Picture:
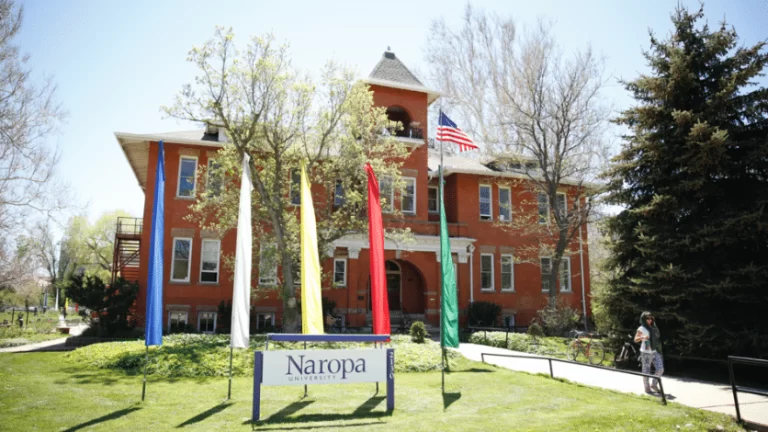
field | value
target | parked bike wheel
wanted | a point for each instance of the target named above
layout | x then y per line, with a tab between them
596	353
573	350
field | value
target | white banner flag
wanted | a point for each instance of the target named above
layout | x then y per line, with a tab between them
241	291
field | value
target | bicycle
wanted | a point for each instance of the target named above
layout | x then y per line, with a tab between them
627	351
593	350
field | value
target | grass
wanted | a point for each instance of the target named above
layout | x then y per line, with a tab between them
48	391
36	328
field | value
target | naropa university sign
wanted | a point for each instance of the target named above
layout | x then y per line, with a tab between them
310	367
324	366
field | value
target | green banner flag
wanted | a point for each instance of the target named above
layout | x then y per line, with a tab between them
449	304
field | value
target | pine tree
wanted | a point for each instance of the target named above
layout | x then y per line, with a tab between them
691	244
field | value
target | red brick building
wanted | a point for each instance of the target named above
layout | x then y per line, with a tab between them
477	199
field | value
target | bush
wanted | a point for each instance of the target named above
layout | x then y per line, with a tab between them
535	330
483	314
558	318
418	332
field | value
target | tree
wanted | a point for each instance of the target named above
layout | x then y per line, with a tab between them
89	246
279	117
112	303
29	114
538	114
693	177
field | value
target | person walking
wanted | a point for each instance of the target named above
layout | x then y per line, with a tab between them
649	337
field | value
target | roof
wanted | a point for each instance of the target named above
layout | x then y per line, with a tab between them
464	165
391	72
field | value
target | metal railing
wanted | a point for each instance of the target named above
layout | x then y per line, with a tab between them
736	388
552	373
129	226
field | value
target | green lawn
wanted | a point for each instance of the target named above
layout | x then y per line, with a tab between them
50	391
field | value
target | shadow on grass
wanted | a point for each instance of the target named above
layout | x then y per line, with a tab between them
284	416
205	414
108	417
472	370
450	398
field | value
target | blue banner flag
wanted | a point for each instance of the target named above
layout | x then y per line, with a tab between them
153	327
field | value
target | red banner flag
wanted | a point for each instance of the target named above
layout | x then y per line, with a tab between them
379	302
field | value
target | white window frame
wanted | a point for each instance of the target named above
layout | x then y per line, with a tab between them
265	313
542	220
215	317
565	261
508	216
170	315
218	261
390	207
489	216
189	259
298	186
262	280
511	257
405	193
565	202
344	282
491	288
194	180
437	199
541	264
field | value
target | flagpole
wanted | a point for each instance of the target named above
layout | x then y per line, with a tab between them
144	386
442	291
229	390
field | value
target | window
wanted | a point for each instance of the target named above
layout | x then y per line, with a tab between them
565	274
182	251
177	320
187	174
486	272
206	322
485	203
387	196
267	264
543	208
562	205
295	187
505	204
338	194
209	261
509	321
507	273
340	272
546	270
265	320
432	203
409	195
213	186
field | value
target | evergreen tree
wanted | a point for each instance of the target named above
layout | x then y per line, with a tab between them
691	244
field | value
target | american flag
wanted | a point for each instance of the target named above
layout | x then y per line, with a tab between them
448	131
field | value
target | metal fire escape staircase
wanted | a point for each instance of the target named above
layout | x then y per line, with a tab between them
125	262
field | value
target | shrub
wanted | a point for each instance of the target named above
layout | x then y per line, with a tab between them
483	314
558	318
418	332
535	330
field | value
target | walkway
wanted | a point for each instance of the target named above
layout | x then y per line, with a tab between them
694	393
49	345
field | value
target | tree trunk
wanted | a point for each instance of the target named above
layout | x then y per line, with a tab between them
291	322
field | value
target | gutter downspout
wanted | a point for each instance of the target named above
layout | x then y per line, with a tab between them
583	290
471	278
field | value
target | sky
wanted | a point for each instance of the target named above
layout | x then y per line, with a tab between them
116	63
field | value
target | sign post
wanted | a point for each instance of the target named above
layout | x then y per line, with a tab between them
335	366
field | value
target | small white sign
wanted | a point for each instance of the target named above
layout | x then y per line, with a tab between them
302	367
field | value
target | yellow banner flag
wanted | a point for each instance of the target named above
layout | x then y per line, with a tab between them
311	299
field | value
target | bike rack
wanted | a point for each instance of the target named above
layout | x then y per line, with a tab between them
552	374
735	388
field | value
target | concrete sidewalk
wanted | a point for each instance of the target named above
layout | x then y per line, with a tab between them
49	345
694	393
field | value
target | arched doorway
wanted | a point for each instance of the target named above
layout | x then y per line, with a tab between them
399	114
394	285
